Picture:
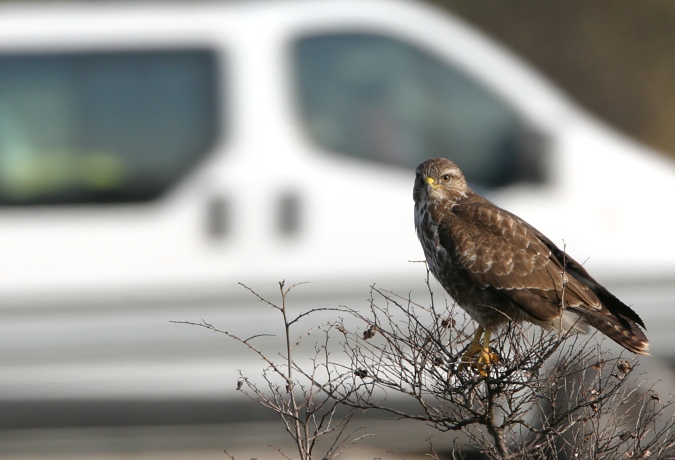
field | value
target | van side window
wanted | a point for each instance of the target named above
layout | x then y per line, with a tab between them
379	99
103	127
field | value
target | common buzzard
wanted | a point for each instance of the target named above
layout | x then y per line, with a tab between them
499	268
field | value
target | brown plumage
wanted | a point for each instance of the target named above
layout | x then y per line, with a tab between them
499	268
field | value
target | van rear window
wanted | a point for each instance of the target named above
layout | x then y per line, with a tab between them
103	127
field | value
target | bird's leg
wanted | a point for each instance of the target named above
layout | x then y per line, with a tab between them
486	357
480	355
474	347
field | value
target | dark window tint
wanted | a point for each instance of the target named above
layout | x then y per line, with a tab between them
105	126
383	100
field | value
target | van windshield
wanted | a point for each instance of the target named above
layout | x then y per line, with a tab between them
103	127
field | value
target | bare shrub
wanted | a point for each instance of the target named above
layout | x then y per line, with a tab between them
549	396
292	391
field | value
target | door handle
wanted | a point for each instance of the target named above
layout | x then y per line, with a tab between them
288	217
218	221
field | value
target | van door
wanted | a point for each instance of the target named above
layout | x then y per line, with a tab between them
375	106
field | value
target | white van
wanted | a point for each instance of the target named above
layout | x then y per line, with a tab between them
152	155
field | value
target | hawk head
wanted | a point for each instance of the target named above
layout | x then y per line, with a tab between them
439	179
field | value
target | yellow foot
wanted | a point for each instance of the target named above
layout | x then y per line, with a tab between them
486	358
480	357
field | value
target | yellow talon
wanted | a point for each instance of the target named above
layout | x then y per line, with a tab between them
480	356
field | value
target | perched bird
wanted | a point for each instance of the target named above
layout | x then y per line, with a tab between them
499	268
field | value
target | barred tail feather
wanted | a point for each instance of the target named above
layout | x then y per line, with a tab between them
629	336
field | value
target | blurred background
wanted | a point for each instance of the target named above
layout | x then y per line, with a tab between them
613	61
154	154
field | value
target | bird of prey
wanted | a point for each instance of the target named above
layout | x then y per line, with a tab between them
499	268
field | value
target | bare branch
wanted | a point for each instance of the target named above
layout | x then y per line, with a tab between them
549	395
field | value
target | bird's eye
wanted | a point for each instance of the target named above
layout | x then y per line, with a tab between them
445	177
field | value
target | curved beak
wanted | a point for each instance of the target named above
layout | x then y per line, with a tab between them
431	184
